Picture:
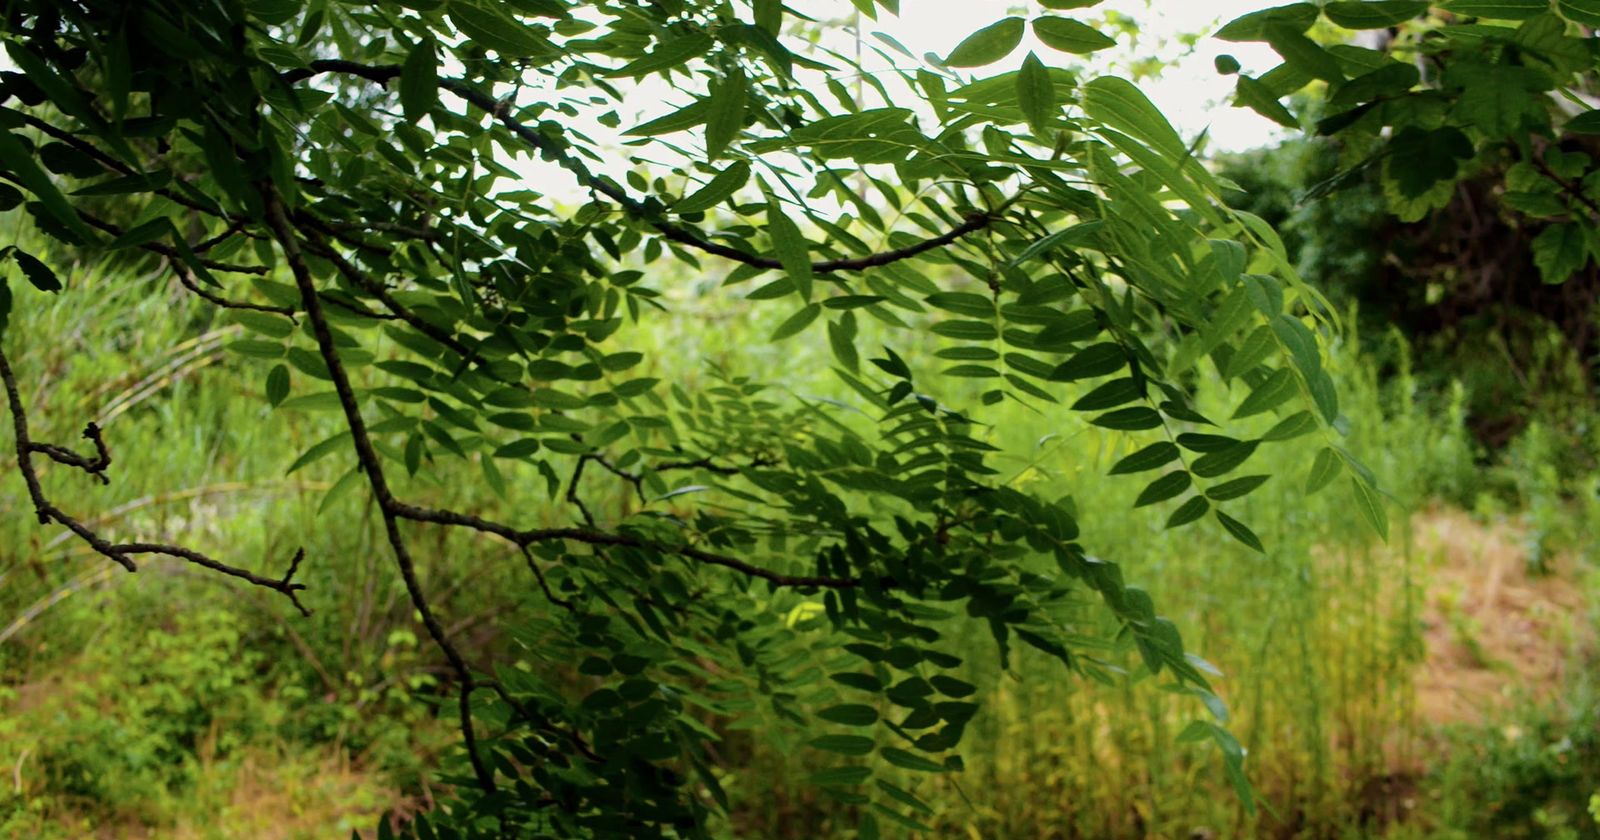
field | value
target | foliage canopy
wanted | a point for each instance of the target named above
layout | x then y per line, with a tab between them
348	182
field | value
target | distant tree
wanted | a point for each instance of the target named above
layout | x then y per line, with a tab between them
1474	123
339	177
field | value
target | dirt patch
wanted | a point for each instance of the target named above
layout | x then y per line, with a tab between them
1494	634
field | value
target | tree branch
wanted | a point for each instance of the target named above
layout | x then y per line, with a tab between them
187	279
284	232
590	536
120	553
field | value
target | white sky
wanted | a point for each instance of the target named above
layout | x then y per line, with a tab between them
1191	92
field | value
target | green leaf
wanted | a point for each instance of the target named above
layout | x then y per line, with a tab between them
1240	532
1256	348
1419	159
65	160
726	117
1206	443
1293	426
791	247
1390	80
769	15
1036	93
987	45
1164	488
1251	93
797	322
844	744
966	330
20	161
952	687
1324	469
1094	360
1499	99
1559	251
1498	9
275	12
1585	12
277	385
1371	506
419	81
850	714
492	475
683	119
341	488
1223	461
1226	65
1070	36
1271	393
1129	419
492	28
1188	512
1111	394
668	55
904	797
842	340
1253	26
1304	54
1121	105
911	761
1151	457
319	451
1375	14
719	188
5	304
963	303
141	234
1587	122
1236	488
37	272
843	776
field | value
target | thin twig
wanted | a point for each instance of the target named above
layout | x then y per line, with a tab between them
187	279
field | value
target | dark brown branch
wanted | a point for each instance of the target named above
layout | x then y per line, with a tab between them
601	538
538	574
501	110
637	479
572	492
289	241
95	466
283	584
120	553
407	231
711	466
188	281
234	227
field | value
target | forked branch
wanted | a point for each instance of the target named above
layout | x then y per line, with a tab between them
120	553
